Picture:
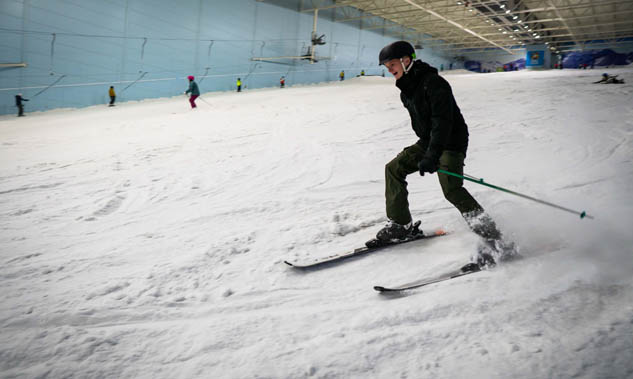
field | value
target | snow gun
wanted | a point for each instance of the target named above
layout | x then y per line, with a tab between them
473	179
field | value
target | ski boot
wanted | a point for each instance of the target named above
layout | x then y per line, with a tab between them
394	233
491	251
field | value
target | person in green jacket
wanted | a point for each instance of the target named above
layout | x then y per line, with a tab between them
239	85
193	90
442	143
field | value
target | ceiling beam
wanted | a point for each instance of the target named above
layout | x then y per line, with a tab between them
563	21
562	28
455	24
584	42
576	6
590	46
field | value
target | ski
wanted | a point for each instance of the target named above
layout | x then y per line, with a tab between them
373	245
470	268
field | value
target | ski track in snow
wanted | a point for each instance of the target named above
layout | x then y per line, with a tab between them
148	240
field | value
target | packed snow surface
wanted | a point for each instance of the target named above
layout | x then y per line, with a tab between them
147	240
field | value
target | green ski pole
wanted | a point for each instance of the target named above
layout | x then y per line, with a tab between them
473	179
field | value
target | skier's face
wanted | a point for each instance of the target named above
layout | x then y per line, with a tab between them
395	66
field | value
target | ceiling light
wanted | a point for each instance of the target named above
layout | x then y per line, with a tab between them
503	6
500	29
515	17
520	21
471	9
459	3
504	32
537	37
508	11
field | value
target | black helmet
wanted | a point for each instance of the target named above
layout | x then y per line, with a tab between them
396	50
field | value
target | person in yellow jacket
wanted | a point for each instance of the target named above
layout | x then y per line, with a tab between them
239	85
342	75
112	96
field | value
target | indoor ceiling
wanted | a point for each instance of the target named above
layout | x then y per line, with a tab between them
458	26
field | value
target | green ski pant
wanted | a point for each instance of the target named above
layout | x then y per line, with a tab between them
406	163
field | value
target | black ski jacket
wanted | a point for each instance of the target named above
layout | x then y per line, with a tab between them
19	99
435	116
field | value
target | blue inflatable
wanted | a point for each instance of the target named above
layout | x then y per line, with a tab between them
477	66
606	57
472	66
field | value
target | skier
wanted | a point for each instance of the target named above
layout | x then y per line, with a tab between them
443	140
18	103
342	76
193	89
610	79
362	72
239	85
112	96
282	82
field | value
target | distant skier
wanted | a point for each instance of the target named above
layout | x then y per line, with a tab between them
282	82
239	85
342	76
443	140
18	103
362	72
193	90
112	96
609	79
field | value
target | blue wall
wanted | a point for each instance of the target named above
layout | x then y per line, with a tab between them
100	43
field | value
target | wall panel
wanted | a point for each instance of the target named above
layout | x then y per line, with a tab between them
146	48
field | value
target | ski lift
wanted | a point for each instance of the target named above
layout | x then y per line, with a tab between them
310	55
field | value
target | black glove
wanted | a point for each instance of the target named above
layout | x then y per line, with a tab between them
427	165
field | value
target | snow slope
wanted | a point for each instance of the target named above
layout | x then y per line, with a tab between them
147	240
